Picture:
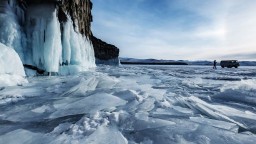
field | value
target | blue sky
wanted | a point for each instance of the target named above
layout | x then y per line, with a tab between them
178	29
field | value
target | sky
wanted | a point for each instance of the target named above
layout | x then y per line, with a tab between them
178	29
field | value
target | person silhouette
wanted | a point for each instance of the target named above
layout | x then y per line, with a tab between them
214	64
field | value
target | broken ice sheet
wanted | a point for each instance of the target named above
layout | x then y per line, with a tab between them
216	123
89	104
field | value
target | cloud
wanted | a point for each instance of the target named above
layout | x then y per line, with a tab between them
240	56
177	29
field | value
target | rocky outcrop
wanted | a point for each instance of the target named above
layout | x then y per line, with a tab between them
105	53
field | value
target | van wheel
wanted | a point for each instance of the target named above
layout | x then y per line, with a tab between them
236	67
222	66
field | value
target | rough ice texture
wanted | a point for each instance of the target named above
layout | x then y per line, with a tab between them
11	68
132	104
10	62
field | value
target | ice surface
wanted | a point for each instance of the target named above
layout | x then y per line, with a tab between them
132	104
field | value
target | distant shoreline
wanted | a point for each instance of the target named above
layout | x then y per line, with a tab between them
148	63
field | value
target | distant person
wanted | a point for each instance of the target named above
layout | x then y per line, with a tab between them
214	64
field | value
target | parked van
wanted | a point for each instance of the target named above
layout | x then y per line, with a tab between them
229	63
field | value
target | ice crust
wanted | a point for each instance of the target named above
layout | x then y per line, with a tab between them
132	104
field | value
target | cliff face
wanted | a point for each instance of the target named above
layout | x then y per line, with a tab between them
103	50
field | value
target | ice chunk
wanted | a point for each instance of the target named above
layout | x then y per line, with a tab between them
213	111
107	82
106	135
142	122
216	123
173	112
82	87
21	136
10	62
147	105
89	104
248	97
128	95
11	68
243	91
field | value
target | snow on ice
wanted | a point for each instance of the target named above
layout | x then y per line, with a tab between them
132	104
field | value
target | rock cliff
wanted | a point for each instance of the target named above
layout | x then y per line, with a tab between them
105	53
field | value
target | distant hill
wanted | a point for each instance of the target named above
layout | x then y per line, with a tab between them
150	62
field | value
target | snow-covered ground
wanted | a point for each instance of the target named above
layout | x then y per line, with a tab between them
133	104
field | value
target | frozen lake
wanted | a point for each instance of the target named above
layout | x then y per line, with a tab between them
133	104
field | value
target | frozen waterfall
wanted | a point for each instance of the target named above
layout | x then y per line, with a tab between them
41	41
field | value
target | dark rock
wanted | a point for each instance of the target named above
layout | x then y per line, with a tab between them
103	50
39	71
